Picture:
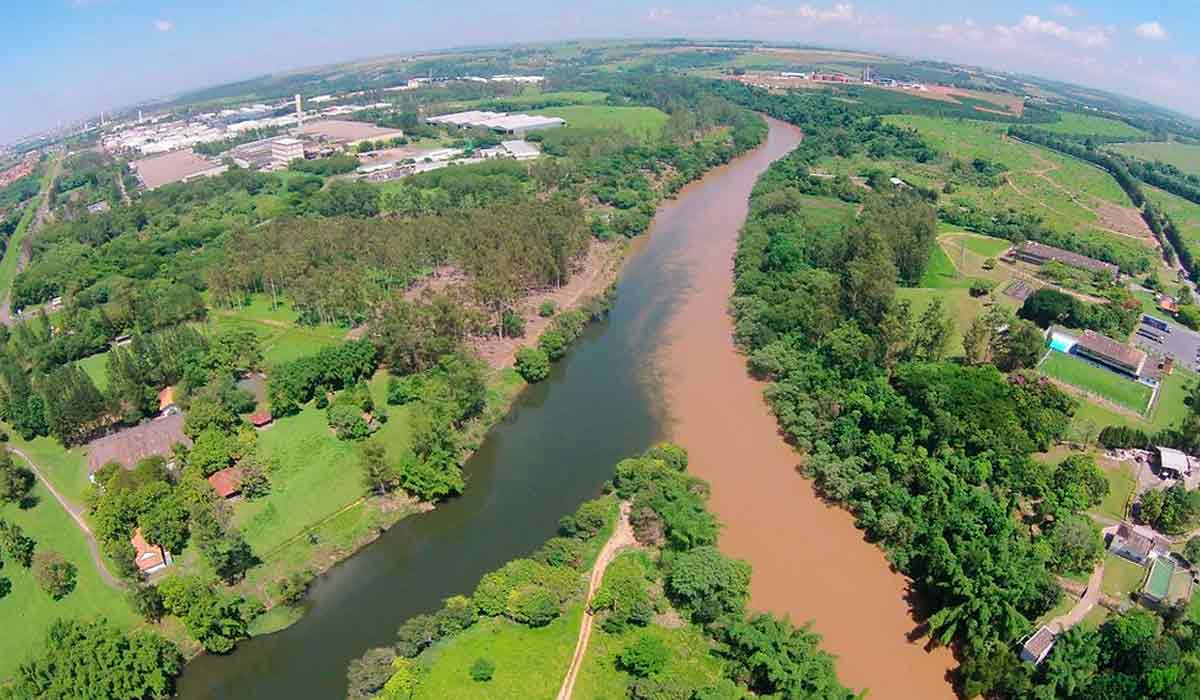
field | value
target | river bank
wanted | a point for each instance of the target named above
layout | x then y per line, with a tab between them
810	561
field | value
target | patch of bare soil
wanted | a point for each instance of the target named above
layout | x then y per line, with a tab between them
1127	220
596	272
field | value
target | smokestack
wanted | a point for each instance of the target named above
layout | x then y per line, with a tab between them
139	116
299	111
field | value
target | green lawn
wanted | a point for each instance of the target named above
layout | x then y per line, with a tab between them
316	475
960	306
941	273
1101	382
1121	576
646	122
1184	156
66	469
27	611
282	337
987	246
530	662
1120	486
96	367
1087	124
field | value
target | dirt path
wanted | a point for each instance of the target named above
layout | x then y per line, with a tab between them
76	514
622	537
1091	596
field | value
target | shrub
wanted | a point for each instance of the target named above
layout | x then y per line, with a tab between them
554	344
54	574
989	264
482	670
560	551
646	656
533	606
347	422
589	519
403	390
981	287
512	325
547	309
456	615
532	364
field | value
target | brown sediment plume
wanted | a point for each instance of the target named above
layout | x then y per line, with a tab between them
810	561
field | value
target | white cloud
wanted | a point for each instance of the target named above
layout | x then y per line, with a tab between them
1151	30
660	14
1032	26
1064	10
840	13
163	25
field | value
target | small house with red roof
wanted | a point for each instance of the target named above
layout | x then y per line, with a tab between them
227	482
149	558
261	419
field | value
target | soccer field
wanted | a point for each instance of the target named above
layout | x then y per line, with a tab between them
1097	380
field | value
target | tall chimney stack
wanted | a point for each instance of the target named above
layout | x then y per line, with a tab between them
299	111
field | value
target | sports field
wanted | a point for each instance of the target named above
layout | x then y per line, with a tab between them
1087	124
1096	380
1184	156
646	122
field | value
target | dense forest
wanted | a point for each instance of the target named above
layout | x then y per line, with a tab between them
934	457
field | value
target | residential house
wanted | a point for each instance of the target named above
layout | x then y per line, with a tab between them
1039	644
149	558
1138	546
227	482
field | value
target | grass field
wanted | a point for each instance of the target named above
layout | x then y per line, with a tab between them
530	662
27	611
1086	124
645	122
282	337
1101	382
1185	213
1120	486
317	474
96	367
961	307
941	273
1121	576
1184	156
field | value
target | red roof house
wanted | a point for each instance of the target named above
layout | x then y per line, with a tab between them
227	482
149	558
261	419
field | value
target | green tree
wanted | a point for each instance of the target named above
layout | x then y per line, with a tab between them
379	474
15	482
1075	544
708	584
54	574
1192	551
482	670
15	545
645	656
532	364
773	658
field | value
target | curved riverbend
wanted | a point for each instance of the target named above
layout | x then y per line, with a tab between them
810	562
605	402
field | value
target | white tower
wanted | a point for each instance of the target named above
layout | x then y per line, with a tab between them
299	111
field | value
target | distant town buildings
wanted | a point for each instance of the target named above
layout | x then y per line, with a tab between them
514	124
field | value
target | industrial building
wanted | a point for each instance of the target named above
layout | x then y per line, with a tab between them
272	153
179	166
1040	254
512	124
516	150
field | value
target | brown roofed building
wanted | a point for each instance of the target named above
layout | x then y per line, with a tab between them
1113	353
1040	254
1038	646
149	558
131	445
1138	547
227	482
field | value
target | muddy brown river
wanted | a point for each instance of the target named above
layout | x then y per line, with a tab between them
662	365
810	562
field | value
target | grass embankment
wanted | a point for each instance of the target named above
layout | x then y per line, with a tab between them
1089	125
1096	380
27	611
1184	156
644	122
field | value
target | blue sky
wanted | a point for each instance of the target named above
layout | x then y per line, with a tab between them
64	59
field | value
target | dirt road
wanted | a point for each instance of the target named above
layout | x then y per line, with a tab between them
622	537
76	514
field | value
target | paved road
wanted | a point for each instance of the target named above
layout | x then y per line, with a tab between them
622	537
1181	343
76	514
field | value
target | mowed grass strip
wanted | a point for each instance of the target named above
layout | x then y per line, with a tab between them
530	662
27	611
1096	380
1087	124
645	122
1184	156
